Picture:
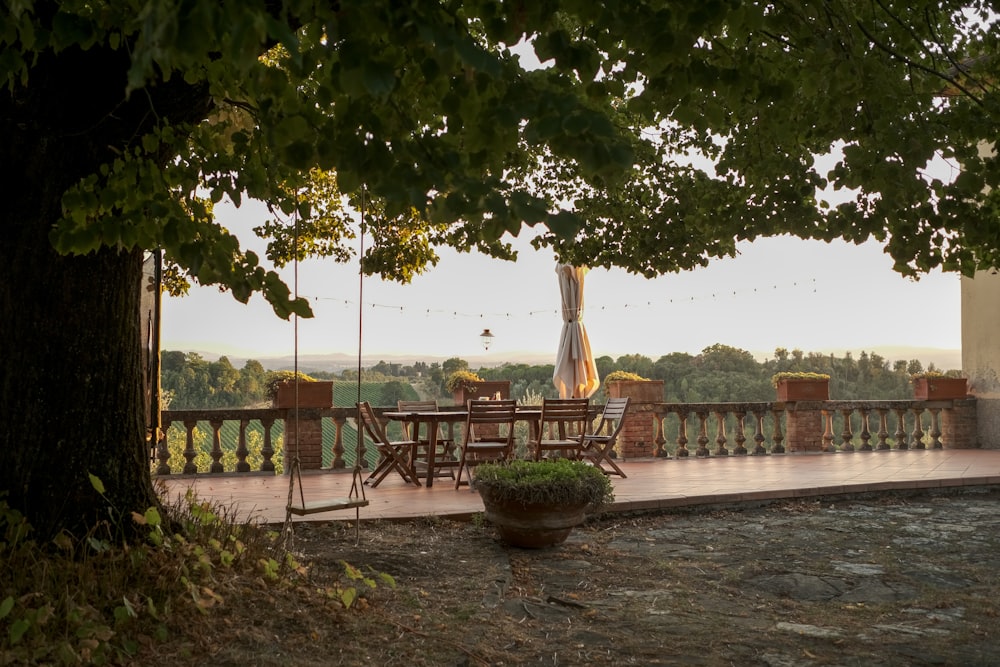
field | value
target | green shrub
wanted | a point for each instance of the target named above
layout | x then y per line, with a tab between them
555	481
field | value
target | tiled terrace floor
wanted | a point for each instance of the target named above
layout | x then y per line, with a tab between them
650	484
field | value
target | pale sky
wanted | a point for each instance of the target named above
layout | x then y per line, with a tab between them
779	292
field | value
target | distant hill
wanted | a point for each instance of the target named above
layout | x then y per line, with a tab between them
335	362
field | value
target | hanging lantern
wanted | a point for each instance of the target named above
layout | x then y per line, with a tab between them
487	338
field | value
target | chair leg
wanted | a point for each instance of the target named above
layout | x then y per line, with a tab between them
380	471
603	456
393	459
461	467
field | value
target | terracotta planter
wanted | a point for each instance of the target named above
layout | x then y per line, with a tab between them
940	389
532	525
484	389
311	395
793	389
640	391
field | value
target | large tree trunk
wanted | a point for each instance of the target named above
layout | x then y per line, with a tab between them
71	395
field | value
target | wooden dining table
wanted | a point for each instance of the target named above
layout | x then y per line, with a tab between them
437	418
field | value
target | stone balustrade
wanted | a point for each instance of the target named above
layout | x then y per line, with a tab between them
325	437
739	429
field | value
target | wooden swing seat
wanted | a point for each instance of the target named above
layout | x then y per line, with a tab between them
326	505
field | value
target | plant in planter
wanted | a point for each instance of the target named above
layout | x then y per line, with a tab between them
619	384
937	386
537	504
464	385
462	381
312	393
798	386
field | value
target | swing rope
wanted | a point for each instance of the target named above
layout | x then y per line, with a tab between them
356	498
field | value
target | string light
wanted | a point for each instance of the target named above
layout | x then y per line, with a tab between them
557	311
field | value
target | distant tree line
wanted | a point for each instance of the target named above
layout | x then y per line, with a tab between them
720	373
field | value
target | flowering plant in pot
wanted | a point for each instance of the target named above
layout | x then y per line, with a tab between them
801	386
537	504
462	381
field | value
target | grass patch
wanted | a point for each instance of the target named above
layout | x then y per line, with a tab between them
98	601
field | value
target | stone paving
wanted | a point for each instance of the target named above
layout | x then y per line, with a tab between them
891	581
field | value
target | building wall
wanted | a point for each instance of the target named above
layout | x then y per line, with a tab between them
981	352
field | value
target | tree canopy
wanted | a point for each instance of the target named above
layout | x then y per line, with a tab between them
651	135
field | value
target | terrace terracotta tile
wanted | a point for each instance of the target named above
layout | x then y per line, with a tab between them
651	483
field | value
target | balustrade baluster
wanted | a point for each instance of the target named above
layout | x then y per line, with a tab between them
846	444
866	435
682	439
741	437
702	434
660	439
338	442
720	437
917	441
241	448
163	451
883	429
827	430
267	451
189	467
935	432
216	466
900	428
758	435
779	437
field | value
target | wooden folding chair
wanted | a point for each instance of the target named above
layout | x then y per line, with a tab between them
599	446
395	455
561	427
446	443
490	417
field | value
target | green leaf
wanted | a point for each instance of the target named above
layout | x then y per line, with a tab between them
564	224
153	517
379	78
17	630
6	606
96	482
348	596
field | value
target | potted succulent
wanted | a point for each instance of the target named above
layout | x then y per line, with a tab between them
937	386
799	386
536	504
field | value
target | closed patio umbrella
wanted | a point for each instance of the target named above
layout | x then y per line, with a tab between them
575	374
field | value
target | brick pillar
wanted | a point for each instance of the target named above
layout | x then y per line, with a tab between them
636	439
638	434
307	442
804	426
959	425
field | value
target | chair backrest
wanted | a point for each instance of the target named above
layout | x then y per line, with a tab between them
614	411
567	414
417	406
491	412
490	416
370	424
